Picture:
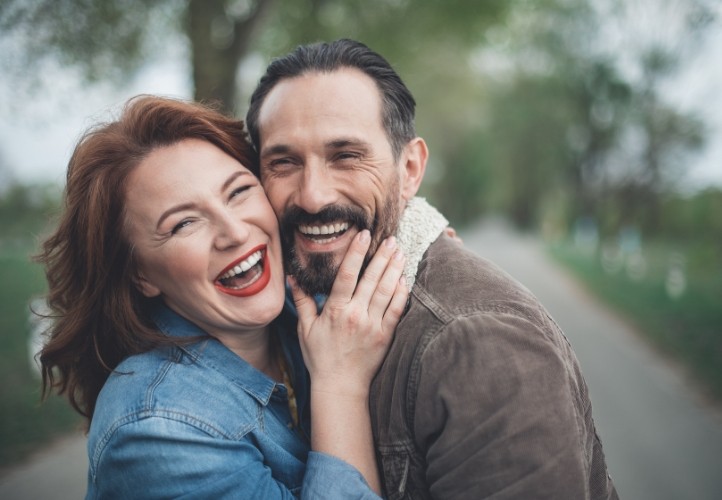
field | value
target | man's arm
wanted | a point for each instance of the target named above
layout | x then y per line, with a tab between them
498	412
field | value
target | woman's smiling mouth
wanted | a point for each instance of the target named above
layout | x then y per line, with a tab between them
246	276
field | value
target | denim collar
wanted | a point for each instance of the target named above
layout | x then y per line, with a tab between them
210	352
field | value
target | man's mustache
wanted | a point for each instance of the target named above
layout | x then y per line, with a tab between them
295	216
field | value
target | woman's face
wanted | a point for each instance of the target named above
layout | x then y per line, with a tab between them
205	238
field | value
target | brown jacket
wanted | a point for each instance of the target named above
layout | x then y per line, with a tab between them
481	395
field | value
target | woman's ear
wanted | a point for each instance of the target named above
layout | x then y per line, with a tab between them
413	166
145	287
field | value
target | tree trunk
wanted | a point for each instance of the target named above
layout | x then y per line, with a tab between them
219	43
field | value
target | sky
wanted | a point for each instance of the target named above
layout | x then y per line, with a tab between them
39	131
37	136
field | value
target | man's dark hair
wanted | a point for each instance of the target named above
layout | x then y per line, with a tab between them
398	105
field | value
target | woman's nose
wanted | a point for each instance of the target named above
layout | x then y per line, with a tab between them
231	231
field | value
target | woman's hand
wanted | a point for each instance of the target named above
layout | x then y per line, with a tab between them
344	346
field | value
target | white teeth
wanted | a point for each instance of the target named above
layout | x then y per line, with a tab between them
324	229
244	266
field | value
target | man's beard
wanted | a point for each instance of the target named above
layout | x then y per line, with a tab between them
319	272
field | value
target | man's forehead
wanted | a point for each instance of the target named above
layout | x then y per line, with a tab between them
316	91
322	107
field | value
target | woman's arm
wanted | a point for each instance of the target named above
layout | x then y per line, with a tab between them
344	346
167	455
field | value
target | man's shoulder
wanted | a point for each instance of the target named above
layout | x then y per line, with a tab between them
453	281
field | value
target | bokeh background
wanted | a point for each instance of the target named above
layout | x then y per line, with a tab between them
592	126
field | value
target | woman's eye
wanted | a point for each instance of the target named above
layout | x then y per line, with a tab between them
180	225
238	191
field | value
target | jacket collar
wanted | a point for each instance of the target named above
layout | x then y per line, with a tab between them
419	226
209	352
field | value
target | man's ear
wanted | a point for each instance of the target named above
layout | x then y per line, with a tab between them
145	287
414	160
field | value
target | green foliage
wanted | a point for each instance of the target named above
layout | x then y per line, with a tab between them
112	39
693	217
461	187
104	39
565	121
686	323
25	423
25	212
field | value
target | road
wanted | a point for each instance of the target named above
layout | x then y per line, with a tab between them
661	439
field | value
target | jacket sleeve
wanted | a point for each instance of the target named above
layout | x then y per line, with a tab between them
167	458
497	412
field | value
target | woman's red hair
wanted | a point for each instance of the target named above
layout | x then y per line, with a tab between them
98	314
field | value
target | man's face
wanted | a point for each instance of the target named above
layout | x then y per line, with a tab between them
328	170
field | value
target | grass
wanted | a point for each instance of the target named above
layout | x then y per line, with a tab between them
26	425
672	291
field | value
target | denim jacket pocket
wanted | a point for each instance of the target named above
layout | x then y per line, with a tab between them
395	464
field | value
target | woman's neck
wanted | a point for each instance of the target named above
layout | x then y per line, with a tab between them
257	349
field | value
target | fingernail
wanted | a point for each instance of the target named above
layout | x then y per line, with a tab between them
398	255
390	242
364	236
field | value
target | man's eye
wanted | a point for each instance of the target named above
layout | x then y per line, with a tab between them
280	166
347	155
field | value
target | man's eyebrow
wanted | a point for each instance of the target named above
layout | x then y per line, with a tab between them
346	142
339	143
276	149
187	206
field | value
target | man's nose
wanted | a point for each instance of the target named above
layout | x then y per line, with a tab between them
317	188
231	231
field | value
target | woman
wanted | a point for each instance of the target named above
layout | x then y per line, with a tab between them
166	282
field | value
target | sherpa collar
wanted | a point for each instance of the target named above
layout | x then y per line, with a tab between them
419	227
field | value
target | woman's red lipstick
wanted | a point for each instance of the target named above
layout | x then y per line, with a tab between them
254	287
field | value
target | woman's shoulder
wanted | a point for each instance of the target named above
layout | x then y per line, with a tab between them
164	384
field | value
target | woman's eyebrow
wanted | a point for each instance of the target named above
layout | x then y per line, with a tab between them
235	175
186	206
172	210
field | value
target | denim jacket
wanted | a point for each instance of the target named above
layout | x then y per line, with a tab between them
480	395
199	422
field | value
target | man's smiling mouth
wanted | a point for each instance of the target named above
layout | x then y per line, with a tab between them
247	276
323	233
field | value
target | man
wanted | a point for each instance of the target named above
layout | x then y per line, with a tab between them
480	395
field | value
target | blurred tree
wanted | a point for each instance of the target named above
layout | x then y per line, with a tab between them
6	175
667	137
111	39
227	43
25	210
570	123
525	108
